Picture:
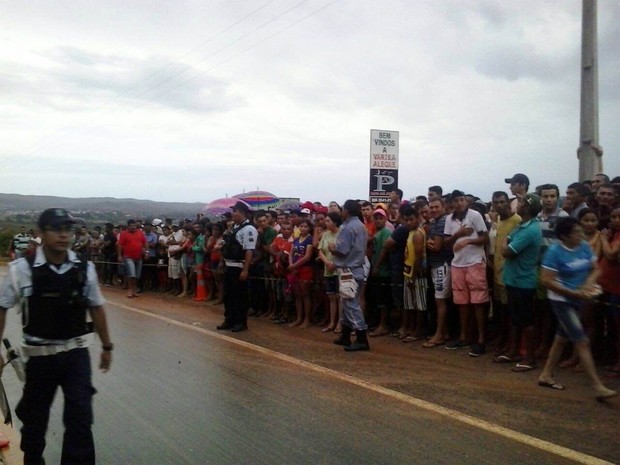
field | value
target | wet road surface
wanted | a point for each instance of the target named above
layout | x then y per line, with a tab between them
181	393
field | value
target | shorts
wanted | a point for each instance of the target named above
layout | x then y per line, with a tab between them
184	263
174	268
613	304
469	284
133	268
499	291
569	323
330	285
521	306
379	292
397	290
414	294
305	273
442	281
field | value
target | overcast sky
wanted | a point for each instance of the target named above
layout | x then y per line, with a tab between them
192	100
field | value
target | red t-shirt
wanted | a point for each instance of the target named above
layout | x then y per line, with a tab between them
281	245
132	244
609	278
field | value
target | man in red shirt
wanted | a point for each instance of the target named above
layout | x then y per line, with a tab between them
131	248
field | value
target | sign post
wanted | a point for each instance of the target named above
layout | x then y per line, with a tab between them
383	165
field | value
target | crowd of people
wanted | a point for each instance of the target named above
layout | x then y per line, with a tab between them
523	274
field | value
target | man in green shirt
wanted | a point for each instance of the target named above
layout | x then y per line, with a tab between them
379	283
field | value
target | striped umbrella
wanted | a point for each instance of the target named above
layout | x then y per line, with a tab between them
259	200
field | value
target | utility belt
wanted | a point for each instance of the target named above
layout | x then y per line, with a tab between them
234	263
34	350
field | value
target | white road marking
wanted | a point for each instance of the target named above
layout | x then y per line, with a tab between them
526	439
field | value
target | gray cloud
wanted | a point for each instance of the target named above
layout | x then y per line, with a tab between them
80	79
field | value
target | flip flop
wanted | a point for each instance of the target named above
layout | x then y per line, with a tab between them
431	345
375	334
411	338
556	386
523	367
503	359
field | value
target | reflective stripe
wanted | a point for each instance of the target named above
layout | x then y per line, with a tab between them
75	343
233	263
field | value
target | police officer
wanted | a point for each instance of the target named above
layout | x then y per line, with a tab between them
57	291
237	251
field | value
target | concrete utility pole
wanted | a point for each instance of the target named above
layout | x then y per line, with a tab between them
590	154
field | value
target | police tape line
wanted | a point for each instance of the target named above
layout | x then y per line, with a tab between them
315	281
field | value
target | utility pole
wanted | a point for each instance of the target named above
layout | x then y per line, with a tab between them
590	154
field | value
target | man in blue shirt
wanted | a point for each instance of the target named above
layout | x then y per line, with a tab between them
349	252
520	277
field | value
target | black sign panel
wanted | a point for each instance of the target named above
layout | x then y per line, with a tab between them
382	182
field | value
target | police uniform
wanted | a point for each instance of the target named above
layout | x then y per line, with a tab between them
243	237
54	303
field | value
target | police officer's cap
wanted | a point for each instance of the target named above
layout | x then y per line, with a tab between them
53	217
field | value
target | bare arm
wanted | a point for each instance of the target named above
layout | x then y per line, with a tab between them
247	261
303	260
2	324
548	279
100	323
418	245
385	250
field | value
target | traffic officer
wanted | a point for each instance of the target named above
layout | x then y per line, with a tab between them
56	291
237	251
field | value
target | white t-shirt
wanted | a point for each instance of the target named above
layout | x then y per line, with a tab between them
470	254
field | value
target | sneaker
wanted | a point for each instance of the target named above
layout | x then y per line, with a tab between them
477	350
457	345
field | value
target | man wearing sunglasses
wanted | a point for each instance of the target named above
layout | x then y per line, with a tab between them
57	291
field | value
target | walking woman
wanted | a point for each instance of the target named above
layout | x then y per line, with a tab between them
569	272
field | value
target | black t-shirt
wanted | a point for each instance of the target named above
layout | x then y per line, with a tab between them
397	254
109	240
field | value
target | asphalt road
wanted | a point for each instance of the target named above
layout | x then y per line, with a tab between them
182	393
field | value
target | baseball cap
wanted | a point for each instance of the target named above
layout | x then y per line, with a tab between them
305	211
309	205
457	193
55	217
534	202
156	222
379	211
518	178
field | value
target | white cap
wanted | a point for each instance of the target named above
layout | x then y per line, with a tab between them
305	211
157	222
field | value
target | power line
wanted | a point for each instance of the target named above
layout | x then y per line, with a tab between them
241	52
131	93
